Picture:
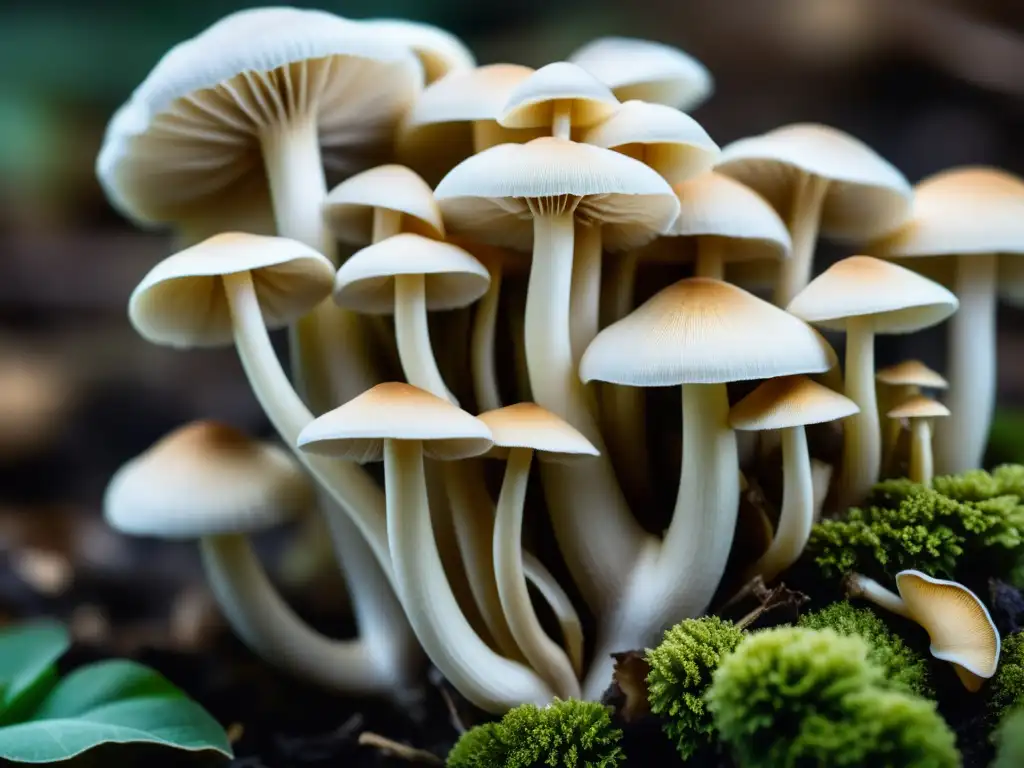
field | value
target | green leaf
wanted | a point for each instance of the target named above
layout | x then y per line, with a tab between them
28	654
104	682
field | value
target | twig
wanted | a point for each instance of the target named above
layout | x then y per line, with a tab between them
401	751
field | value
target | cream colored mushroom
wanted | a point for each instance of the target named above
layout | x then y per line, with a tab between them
440	52
901	382
920	411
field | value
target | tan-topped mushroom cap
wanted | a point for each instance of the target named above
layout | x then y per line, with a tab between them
348	209
206	479
669	141
394	411
702	331
493	195
895	300
532	103
962	211
181	302
867	196
366	282
911	373
957	622
919	407
791	401
648	71
440	52
527	425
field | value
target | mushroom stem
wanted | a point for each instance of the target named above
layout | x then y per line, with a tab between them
859	586
258	615
961	438
709	258
889	398
797	515
348	483
481	350
561	119
803	222
561	605
862	442
485	678
921	466
596	532
585	301
414	349
699	538
386	223
543	654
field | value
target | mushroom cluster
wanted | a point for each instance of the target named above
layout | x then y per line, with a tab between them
492	314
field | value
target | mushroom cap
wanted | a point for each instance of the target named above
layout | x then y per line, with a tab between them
205	479
867	196
918	407
962	211
957	622
713	205
395	411
491	195
790	401
702	331
527	425
348	209
439	51
531	103
366	282
648	71
669	141
911	373
181	302
189	136
893	298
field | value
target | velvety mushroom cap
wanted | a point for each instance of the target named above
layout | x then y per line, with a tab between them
366	282
894	299
867	196
531	103
919	407
206	479
791	401
440	52
911	373
702	331
182	303
356	431
647	71
669	141
493	195
527	425
957	622
348	209
190	134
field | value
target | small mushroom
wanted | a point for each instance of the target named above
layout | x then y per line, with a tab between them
901	382
920	411
789	404
402	424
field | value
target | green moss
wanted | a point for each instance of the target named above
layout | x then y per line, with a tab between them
1009	740
1008	683
565	734
681	669
904	668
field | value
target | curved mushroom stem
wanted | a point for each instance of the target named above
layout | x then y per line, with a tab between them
585	302
258	614
411	330
561	119
481	349
561	605
710	261
797	515
803	222
821	480
862	442
543	654
485	678
962	437
859	586
921	466
596	532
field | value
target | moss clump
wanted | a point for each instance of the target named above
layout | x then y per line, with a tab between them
1009	740
794	696
565	734
904	668
1008	684
681	669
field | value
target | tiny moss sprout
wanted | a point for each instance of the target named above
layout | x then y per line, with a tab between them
1008	684
564	734
681	670
1009	740
904	668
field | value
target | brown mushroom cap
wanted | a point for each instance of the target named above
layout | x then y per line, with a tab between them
790	401
348	209
911	373
919	407
531	103
527	425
